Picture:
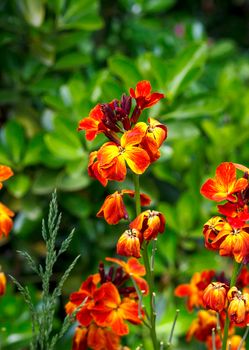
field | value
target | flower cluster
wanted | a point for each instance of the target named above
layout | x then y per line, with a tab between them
133	144
104	302
6	222
228	234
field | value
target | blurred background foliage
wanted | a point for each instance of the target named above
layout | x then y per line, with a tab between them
61	57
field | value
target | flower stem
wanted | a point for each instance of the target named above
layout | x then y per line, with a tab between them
149	274
227	322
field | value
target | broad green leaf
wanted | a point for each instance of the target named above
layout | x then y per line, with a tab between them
45	181
64	142
19	185
14	139
33	11
72	61
77	205
201	107
34	151
8	96
73	182
154	6
191	58
125	69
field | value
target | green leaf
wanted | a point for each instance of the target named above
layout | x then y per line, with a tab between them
125	68
34	150
191	58
45	181
73	182
33	11
72	61
19	185
77	205
201	107
64	141
154	6
14	138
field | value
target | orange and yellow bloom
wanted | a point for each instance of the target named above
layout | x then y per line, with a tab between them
214	296
224	185
150	223
6	222
3	282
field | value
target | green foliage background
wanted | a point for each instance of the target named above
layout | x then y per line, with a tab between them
61	57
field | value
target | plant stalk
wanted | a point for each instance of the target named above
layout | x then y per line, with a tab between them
149	274
227	322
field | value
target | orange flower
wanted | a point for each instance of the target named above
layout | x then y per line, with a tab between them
201	328
238	309
149	223
93	124
111	311
113	209
129	243
243	278
134	269
211	230
84	294
112	157
194	290
224	185
214	296
5	173
234	242
155	134
236	214
2	283
143	96
6	222
234	342
96	338
94	169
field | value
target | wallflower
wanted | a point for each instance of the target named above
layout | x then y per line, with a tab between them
93	124
211	230
201	328
194	290
94	169
143	96
155	135
111	311
149	223
214	296
2	283
238	308
224	185
85	296
237	214
5	173
6	222
96	338
129	243
113	209
135	270
234	342
113	158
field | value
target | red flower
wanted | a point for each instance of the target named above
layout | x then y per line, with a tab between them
112	157
113	209
2	283
111	311
6	222
155	134
149	223
194	290
85	296
5	173
94	169
143	95
93	124
129	243
201	328
236	214
134	269
96	338
214	296
224	185
238	309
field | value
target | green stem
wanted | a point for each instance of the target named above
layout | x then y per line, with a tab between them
149	274
227	322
